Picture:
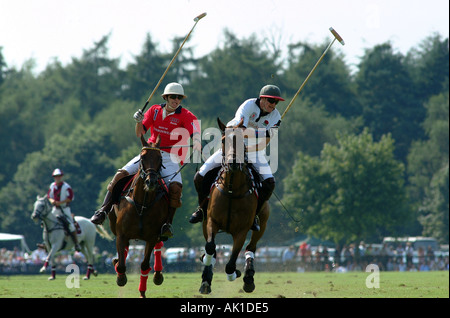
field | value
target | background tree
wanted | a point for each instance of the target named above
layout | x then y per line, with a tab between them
428	170
353	192
387	95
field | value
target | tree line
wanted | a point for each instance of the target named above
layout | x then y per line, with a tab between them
360	155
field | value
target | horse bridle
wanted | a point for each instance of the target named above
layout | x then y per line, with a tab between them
39	213
154	175
41	216
231	167
150	172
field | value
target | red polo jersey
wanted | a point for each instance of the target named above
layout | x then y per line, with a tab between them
174	129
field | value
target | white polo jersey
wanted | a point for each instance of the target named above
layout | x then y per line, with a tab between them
251	113
262	125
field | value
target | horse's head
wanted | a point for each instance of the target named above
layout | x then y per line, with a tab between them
233	148
41	208
150	164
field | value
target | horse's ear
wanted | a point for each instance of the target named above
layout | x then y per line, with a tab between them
221	125
143	141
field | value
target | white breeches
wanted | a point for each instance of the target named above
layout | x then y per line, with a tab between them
168	169
256	158
67	213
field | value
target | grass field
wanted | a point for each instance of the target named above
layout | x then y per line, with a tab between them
268	285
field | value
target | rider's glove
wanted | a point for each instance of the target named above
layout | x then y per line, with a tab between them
138	116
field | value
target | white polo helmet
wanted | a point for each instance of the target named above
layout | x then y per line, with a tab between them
57	172
173	88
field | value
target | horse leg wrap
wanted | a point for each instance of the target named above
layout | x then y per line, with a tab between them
158	262
53	272
249	254
231	277
210	249
143	280
90	269
209	260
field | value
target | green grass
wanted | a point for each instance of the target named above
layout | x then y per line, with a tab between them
268	285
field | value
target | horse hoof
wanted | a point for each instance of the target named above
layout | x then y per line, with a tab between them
51	278
238	273
248	288
205	288
85	278
158	278
142	294
121	280
95	273
249	285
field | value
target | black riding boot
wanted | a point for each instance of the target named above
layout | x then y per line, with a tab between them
200	213
100	215
265	192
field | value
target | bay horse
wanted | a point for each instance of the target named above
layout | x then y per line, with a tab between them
232	208
55	238
140	215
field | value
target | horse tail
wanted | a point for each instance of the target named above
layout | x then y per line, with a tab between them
103	233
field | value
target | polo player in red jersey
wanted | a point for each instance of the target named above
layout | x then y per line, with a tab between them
175	125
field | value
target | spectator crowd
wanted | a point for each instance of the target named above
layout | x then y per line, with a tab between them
303	258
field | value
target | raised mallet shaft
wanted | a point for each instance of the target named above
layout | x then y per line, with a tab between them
336	37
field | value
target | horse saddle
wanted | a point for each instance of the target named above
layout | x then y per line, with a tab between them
213	175
125	186
62	220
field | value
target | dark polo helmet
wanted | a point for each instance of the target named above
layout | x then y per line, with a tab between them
271	91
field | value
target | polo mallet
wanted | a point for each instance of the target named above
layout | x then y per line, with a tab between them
173	59
336	37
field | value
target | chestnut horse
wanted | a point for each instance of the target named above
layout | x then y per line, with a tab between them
232	208
140	215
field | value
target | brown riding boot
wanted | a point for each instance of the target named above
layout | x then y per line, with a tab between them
175	189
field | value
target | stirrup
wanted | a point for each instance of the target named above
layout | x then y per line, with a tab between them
166	232
255	227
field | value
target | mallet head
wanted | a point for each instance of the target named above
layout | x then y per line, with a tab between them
337	36
200	17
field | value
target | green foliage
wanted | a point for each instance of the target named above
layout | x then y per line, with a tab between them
353	191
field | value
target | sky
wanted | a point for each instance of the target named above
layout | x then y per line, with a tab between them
63	29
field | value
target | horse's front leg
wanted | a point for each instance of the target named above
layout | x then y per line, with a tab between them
145	269
250	249
119	264
209	258
158	277
230	268
49	261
